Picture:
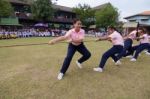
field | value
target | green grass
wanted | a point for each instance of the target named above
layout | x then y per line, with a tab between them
30	72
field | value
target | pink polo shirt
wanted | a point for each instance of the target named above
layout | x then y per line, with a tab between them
132	35
145	39
72	35
116	38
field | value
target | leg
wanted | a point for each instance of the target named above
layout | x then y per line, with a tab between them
119	52
70	53
84	51
111	52
127	47
140	49
132	50
114	58
149	48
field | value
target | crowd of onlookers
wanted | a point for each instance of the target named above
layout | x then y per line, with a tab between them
30	32
96	33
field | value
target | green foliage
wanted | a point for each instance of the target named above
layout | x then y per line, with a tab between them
85	13
6	9
42	10
107	16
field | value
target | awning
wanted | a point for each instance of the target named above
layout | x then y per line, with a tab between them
130	24
9	22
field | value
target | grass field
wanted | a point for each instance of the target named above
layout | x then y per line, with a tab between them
30	72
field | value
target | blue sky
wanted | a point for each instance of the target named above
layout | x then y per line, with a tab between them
125	7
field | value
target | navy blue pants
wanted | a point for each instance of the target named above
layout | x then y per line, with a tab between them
127	50
139	48
116	49
149	48
71	51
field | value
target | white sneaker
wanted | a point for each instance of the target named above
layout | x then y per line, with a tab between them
60	76
147	53
118	63
98	69
130	56
133	60
79	64
113	61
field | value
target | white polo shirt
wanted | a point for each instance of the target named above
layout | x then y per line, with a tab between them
116	38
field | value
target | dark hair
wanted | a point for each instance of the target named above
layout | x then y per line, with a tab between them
75	21
139	30
143	30
111	27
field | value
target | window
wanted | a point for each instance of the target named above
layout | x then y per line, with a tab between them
132	20
144	20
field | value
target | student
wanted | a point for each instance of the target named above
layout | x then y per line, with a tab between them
144	44
75	37
127	50
117	41
148	50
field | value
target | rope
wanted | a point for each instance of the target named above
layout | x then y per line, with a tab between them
33	44
19	45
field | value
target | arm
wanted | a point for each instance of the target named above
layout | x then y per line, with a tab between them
104	38
138	38
61	38
125	37
131	35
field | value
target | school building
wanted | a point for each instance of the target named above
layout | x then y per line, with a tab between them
143	19
63	16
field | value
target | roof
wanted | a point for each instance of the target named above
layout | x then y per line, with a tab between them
145	13
69	9
63	8
101	6
19	2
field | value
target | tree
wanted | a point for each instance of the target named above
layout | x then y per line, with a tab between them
6	9
85	14
42	10
107	16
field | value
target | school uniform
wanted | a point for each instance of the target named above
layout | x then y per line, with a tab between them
127	50
73	47
149	48
149	45
144	44
118	43
148	51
